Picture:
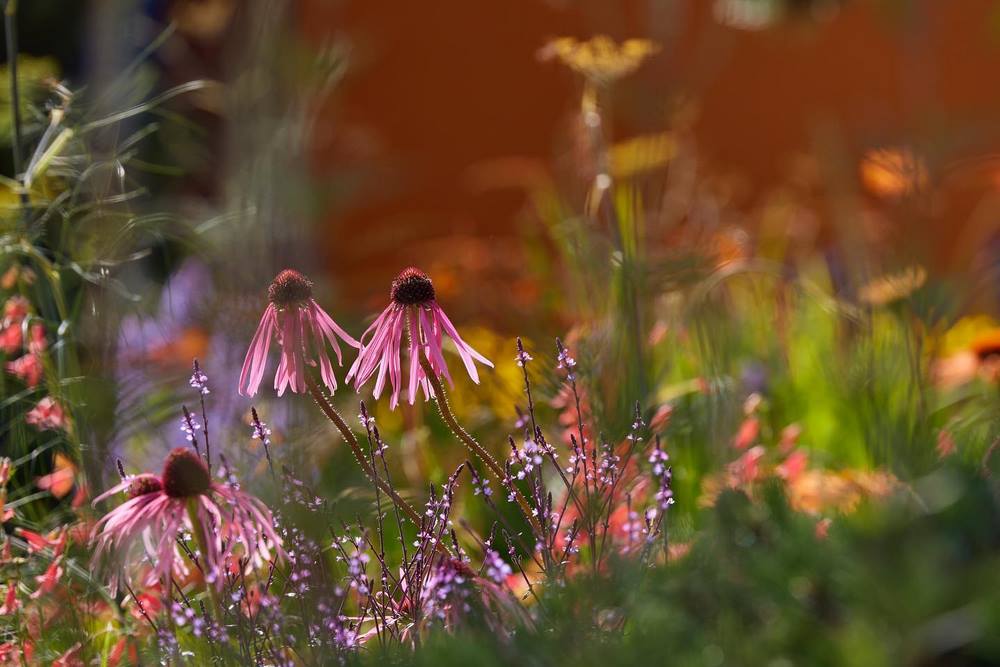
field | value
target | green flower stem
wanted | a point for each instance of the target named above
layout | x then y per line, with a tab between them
202	538
359	455
441	398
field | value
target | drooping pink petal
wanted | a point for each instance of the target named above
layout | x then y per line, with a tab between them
373	329
256	359
332	330
372	353
465	350
435	356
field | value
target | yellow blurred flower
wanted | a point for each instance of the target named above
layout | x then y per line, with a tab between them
892	172
502	386
642	154
969	349
891	288
600	59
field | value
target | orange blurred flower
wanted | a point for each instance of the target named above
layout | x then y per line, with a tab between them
62	478
891	173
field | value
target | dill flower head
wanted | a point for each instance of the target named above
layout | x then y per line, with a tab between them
185	499
413	308
302	329
895	287
600	59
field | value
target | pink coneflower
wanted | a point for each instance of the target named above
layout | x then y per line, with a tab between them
185	498
413	308
302	329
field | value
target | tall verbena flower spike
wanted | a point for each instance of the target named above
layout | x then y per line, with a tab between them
302	329
412	306
159	510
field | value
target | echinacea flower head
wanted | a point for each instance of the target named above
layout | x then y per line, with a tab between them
185	498
413	308
302	329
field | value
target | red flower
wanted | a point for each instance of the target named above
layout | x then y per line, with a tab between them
37	342
11	331
48	414
14	654
10	339
15	309
793	465
70	658
10	603
56	540
47	581
747	435
27	367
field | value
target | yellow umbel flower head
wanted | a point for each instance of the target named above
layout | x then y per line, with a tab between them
600	59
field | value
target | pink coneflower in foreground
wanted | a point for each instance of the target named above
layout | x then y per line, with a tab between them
185	498
413	308
302	329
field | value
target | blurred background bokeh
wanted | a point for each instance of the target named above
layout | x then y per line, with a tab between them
446	120
548	189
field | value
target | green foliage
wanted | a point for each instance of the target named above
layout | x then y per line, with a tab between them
758	587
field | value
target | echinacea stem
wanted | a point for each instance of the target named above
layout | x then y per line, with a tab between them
199	533
441	398
352	442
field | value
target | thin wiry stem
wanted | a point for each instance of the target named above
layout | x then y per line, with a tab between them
202	539
359	455
441	398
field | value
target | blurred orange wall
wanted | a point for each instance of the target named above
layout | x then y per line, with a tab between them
439	87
